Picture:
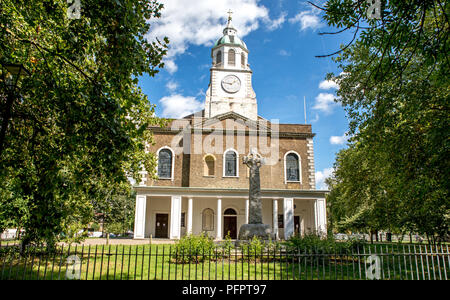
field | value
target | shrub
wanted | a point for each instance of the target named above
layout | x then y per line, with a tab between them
95	227
355	244
191	248
115	228
254	248
310	243
227	245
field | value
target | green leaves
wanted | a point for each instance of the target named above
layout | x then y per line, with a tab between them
395	89
82	122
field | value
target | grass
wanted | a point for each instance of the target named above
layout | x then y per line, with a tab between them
157	262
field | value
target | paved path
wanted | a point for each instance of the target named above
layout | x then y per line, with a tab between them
102	241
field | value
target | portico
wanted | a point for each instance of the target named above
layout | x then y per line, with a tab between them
172	212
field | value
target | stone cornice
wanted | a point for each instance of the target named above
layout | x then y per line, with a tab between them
221	131
230	70
224	192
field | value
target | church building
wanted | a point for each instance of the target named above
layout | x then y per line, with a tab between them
202	184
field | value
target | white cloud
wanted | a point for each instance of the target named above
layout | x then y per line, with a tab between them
284	53
325	103
170	66
338	140
201	23
308	19
172	86
178	106
316	118
328	84
275	24
321	176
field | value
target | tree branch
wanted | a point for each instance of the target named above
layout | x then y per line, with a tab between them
343	49
37	45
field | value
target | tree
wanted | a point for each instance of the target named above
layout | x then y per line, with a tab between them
115	210
360	198
395	89
81	122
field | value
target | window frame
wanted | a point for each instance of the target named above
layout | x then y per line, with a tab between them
234	57
299	167
172	167
231	215
219	55
280	221
183	220
224	163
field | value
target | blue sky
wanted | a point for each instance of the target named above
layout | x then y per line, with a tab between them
283	39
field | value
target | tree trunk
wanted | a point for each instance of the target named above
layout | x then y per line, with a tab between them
23	244
388	236
5	119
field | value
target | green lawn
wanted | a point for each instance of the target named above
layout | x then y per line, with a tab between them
158	262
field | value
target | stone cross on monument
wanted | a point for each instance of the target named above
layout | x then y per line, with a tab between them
255	226
254	162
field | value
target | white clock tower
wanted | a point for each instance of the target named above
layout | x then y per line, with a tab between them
230	87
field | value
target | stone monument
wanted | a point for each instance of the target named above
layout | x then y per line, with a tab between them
255	226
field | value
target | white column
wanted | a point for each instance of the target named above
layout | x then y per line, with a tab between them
219	220
175	217
288	217
247	205
139	217
189	217
275	218
320	216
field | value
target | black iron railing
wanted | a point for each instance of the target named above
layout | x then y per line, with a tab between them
168	262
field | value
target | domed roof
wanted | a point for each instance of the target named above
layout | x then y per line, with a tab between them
231	40
229	36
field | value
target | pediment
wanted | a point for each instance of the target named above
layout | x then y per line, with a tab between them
231	120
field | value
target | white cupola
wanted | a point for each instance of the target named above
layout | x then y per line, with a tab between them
230	88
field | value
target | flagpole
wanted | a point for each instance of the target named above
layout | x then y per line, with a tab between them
304	106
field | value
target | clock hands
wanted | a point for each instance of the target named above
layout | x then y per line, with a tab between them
234	81
231	83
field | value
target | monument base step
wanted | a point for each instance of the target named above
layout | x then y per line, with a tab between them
261	231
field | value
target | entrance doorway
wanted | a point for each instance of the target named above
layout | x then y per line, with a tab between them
230	223
297	225
162	226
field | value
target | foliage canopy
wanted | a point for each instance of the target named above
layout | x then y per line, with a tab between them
79	124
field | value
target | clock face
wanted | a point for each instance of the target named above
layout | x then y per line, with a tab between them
231	84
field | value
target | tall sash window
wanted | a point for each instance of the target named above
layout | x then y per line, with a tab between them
230	164
292	167
165	164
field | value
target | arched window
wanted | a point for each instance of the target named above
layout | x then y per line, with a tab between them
231	57
165	163
208	219
219	57
230	212
292	165
243	60
209	168
230	163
